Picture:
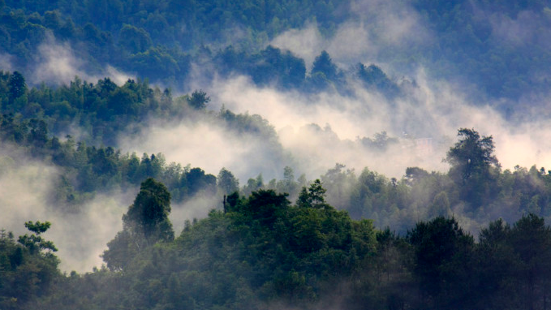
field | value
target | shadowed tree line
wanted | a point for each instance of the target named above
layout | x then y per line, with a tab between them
264	251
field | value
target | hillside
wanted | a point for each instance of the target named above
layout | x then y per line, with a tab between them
274	154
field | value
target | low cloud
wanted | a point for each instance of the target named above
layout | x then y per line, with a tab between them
432	110
208	144
57	64
80	232
197	207
306	43
83	236
376	27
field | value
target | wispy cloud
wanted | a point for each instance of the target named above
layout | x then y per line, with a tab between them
377	28
27	191
57	64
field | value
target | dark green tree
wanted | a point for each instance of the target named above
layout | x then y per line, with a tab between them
35	243
474	166
134	40
312	197
530	239
443	254
27	269
145	224
199	100
472	156
496	263
198	181
374	78
122	101
324	64
16	85
148	215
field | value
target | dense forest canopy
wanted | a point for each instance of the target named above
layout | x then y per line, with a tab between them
498	47
274	154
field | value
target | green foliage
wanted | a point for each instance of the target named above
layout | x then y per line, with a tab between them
442	262
226	182
199	100
150	38
313	197
134	40
38	227
106	109
159	41
35	243
264	250
471	156
323	64
148	215
16	85
145	224
269	67
514	264
27	271
472	163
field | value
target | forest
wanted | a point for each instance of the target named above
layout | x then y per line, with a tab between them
274	154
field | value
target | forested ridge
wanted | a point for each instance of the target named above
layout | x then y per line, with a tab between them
262	251
498	47
82	84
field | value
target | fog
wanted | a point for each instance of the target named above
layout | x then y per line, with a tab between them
206	143
27	190
57	64
376	29
314	132
317	131
81	232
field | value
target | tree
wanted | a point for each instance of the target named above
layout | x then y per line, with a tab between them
442	259
148	215
198	181
105	87
473	166
226	182
145	224
313	197
440	206
471	156
134	40
265	206
27	269
39	132
122	101
16	85
199	100
35	243
324	64
531	240
288	184
496	263
374	77
380	142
